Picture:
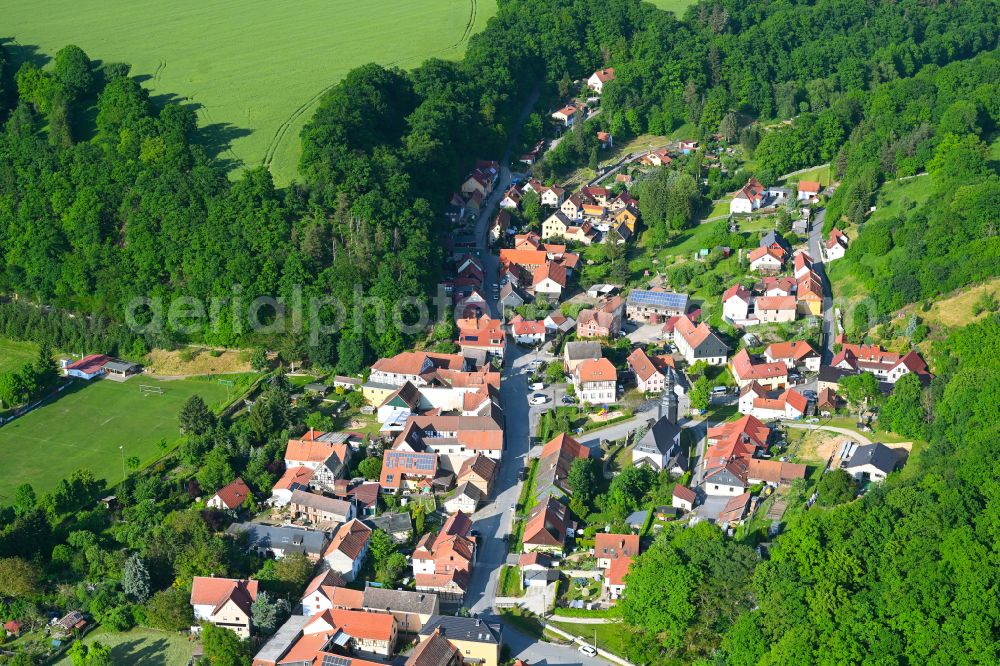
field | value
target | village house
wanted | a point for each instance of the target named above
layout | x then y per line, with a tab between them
560	226
408	470
730	446
572	208
802	264
549	280
480	471
454	438
565	115
736	303
611	547
595	381
699	343
511	199
654	306
360	631
683	498
774	472
482	333
277	541
808	189
688	146
658	157
797	354
528	332
748	198
414	367
746	369
552	196
576	352
809	294
599	78
872	462
774	309
835	246
435	651
499	226
766	260
554	463
537	569
602	321
348	548
886	366
546	527
735	510
224	602
466	498
605	139
319	509
754	401
650	372
478	641
326	454
324	592
776	286
294	478
230	497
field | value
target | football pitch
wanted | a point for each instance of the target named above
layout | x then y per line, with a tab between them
254	68
84	427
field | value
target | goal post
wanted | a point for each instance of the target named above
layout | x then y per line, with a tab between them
145	389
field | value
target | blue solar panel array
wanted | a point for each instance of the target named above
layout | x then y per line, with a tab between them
421	461
658	299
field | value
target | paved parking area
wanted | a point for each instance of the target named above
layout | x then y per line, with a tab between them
711	507
646	333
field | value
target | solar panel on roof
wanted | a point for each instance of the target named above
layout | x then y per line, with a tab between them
334	660
642	297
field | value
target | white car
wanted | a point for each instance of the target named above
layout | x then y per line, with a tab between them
537	386
538	399
588	650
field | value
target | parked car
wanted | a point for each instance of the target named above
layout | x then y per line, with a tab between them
566	400
719	390
539	399
537	386
588	650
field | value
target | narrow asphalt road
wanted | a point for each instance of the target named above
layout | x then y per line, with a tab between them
495	521
816	251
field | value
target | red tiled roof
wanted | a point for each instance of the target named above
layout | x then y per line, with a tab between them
615	573
233	494
206	591
685	493
745	368
775	303
350	539
596	370
294	477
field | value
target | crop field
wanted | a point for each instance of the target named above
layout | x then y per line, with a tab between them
254	68
84	427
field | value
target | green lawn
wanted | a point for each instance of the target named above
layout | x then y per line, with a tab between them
14	354
84	427
675	6
892	196
255	68
142	647
820	174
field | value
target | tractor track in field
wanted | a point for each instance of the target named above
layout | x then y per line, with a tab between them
279	134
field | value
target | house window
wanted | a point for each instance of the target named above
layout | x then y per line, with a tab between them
716	487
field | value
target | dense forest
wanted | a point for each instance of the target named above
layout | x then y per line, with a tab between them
105	196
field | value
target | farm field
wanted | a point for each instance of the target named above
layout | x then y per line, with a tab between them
142	647
14	354
254	68
84	427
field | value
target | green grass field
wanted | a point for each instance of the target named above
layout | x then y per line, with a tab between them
256	68
675	6
142	647
15	354
84	427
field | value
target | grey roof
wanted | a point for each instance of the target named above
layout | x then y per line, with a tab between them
317	388
463	629
658	299
878	455
119	366
660	438
321	502
637	519
287	539
391	522
283	640
469	490
724	476
509	294
403	601
584	349
773	236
